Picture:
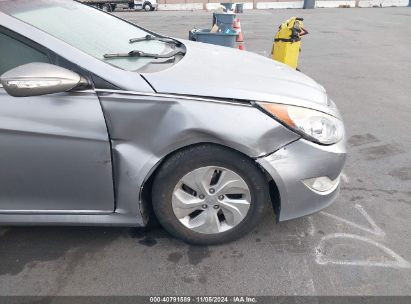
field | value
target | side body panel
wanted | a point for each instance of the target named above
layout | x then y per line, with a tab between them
55	155
146	128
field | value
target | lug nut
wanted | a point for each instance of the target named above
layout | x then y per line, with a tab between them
212	190
204	206
216	206
201	196
221	197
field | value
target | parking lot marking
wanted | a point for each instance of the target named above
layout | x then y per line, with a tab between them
311	229
375	229
320	252
396	262
345	178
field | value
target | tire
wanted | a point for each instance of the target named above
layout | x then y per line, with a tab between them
246	176
147	7
107	7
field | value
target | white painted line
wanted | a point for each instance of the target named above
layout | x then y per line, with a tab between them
397	261
311	229
345	178
375	229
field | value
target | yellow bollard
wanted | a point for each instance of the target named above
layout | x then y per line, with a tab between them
287	42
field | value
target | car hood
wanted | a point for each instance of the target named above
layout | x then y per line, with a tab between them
220	72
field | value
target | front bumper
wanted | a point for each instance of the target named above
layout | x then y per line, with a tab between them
294	165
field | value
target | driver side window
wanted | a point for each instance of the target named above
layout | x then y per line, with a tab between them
14	53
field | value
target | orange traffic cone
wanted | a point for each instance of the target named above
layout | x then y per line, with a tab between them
235	25
238	23
240	38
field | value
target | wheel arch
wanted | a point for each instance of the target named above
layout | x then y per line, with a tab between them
146	187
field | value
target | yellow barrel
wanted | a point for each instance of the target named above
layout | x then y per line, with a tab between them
287	42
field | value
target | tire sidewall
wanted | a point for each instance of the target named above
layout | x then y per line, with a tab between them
147	5
174	169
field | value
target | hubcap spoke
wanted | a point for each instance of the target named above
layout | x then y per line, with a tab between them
206	222
199	180
184	204
230	183
234	210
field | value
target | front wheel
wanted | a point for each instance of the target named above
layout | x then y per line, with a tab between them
148	7
208	194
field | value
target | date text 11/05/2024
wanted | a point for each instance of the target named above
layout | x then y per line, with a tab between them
205	299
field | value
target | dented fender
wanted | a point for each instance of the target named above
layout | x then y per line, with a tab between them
145	128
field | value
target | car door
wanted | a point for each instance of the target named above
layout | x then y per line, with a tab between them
55	154
138	4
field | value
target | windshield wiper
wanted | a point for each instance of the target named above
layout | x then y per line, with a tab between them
138	53
151	37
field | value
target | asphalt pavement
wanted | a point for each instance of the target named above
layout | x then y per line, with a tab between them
361	245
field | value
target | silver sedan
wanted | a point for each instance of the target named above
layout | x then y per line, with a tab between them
103	122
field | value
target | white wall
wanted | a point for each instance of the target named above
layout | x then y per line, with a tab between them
285	4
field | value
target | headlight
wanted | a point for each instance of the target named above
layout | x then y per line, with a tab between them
311	124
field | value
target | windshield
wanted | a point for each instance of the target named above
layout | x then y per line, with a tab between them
87	29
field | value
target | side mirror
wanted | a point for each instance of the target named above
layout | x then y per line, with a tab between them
34	79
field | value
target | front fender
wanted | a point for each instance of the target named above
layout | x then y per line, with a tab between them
146	128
